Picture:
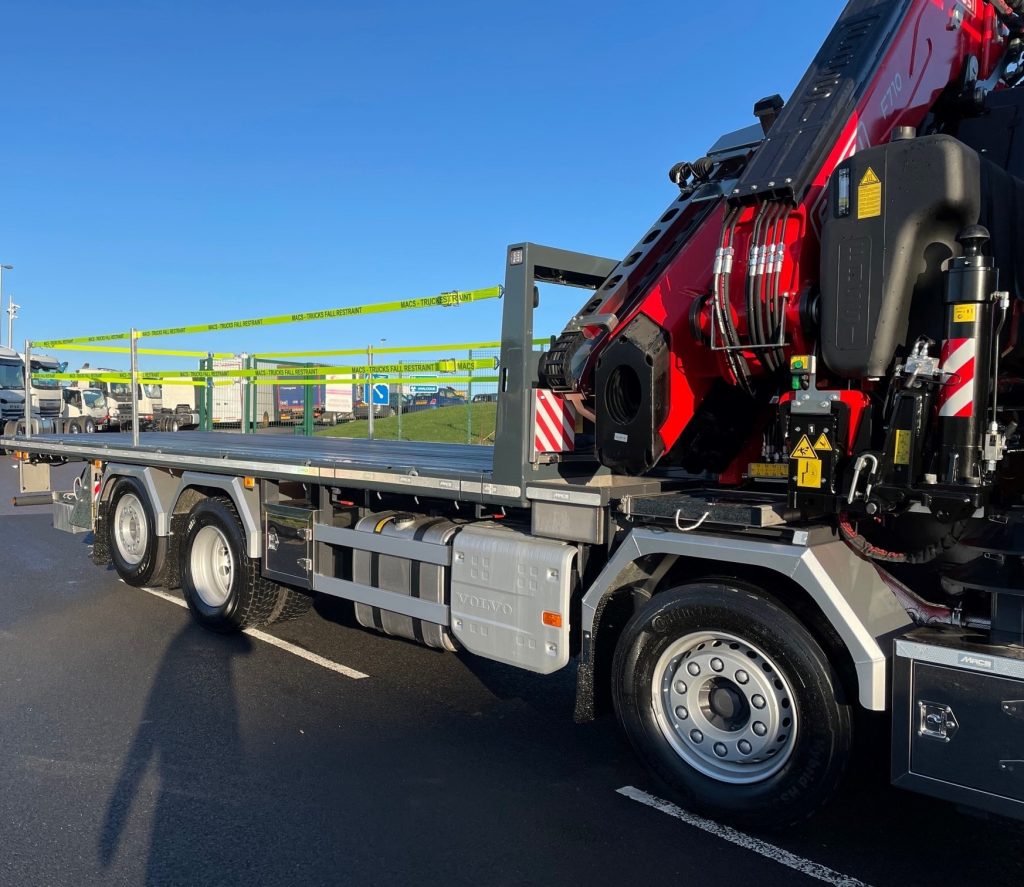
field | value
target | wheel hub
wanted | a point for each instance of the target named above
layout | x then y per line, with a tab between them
212	566
724	707
131	529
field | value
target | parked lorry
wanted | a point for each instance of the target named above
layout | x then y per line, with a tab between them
332	402
179	409
47	399
228	401
12	386
119	398
84	410
767	481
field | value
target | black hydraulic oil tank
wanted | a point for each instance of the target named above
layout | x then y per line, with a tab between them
892	219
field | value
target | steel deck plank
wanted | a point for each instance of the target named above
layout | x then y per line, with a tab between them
400	457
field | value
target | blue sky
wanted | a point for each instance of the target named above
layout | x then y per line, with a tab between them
186	162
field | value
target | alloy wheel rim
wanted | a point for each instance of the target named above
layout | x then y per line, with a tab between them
725	707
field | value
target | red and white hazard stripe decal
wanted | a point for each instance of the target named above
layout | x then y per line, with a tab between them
957	397
554	423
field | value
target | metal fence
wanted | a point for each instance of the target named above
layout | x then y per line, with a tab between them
420	392
405	398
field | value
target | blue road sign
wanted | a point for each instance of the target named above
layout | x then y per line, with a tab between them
377	393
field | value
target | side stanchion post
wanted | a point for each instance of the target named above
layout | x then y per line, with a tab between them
208	393
400	398
368	392
135	386
28	388
200	396
469	401
246	395
254	411
308	400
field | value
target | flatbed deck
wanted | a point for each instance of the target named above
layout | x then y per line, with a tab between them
461	471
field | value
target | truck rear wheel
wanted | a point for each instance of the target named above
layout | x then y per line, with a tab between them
137	552
732	702
221	583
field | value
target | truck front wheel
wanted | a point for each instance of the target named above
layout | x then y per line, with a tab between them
137	552
731	701
221	583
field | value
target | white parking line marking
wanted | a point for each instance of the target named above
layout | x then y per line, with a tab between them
747	842
276	642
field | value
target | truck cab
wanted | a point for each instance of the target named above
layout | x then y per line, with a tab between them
47	400
85	410
119	399
12	387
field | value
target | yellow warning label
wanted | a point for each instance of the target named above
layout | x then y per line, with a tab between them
901	452
821	445
967	313
808	473
869	196
803	450
768	470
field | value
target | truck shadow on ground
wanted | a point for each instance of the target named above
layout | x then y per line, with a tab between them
193	819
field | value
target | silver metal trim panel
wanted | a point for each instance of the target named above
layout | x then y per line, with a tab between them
848	590
427	552
159	486
247	504
982	663
386	600
563	497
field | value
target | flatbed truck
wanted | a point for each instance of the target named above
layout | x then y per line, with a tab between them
535	561
765	483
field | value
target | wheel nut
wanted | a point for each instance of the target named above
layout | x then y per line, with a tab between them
717	664
693	668
682	713
759	728
757	701
742	677
696	736
720	749
744	746
680	687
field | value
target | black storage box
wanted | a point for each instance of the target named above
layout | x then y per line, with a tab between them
958	720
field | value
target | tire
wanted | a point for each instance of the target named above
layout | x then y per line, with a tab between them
90	426
691	709
74	427
136	551
290	605
221	583
172	425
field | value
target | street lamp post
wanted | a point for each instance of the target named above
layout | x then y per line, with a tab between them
12	313
12	309
369	390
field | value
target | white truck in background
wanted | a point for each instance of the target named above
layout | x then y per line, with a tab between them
119	398
12	387
179	407
85	410
47	401
229	398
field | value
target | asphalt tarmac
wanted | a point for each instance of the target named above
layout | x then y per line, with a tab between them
137	748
